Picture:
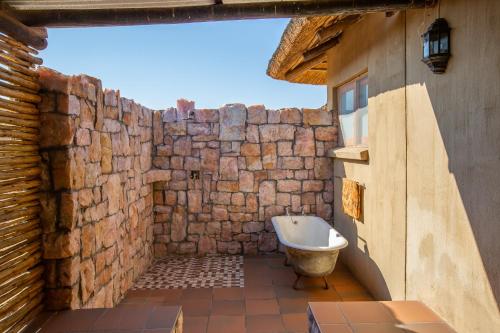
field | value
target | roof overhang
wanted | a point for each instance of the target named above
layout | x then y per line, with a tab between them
301	55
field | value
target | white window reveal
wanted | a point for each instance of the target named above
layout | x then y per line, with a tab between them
353	111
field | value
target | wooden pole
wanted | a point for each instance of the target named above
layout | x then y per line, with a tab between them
36	38
321	48
336	28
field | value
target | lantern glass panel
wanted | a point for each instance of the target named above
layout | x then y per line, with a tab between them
443	43
426	46
434	39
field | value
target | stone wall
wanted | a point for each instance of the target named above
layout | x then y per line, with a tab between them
121	182
234	168
96	210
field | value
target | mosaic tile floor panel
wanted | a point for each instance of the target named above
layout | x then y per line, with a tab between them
184	272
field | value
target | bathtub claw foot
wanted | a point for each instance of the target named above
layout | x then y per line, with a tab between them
327	286
296	283
285	263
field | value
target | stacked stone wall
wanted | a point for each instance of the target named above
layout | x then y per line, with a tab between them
234	168
97	214
122	183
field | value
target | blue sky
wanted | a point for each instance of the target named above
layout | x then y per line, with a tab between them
211	63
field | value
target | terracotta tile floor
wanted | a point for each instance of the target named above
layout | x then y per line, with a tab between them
267	303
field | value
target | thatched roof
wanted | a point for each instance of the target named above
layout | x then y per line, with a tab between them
301	35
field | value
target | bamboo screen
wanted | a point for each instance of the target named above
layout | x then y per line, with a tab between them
21	280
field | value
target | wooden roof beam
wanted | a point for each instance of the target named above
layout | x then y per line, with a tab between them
336	27
218	12
297	71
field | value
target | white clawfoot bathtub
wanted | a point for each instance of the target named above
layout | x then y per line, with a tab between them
312	245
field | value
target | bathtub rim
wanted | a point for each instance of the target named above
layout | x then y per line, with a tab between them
286	243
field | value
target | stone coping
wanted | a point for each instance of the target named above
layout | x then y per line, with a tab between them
132	318
374	317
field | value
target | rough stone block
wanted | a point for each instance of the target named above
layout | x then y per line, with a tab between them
175	128
285	148
257	114
250	227
229	168
184	108
157	128
56	130
219	214
227	186
156	175
207	245
269	156
61	245
206	115
312	186
323	168
250	149
293	163
326	133
179	224
182	146
113	192
209	159
246	181
253	133
198	129
194	201
290	116
315	117
68	210
253	163
267	242
304	142
267	193
289	185
232	122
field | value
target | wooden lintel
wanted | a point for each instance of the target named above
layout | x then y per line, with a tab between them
336	27
34	37
293	74
219	12
321	48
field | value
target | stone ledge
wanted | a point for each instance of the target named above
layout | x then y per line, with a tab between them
157	175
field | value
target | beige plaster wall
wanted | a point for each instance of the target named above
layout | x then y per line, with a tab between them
376	252
454	168
443	185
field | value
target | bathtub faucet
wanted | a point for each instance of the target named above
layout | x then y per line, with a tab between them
302	210
287	210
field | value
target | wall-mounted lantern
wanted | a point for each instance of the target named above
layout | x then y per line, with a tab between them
436	47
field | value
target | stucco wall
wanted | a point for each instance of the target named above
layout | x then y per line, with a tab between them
377	244
452	199
454	168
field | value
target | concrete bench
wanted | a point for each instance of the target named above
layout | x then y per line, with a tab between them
374	317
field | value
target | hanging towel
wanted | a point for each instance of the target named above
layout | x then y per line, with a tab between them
351	198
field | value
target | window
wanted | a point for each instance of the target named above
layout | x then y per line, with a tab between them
353	111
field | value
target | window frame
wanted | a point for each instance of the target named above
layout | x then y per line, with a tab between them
354	83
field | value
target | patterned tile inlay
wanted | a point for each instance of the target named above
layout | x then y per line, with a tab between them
183	272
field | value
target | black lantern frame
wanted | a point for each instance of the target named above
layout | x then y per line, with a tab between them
436	46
